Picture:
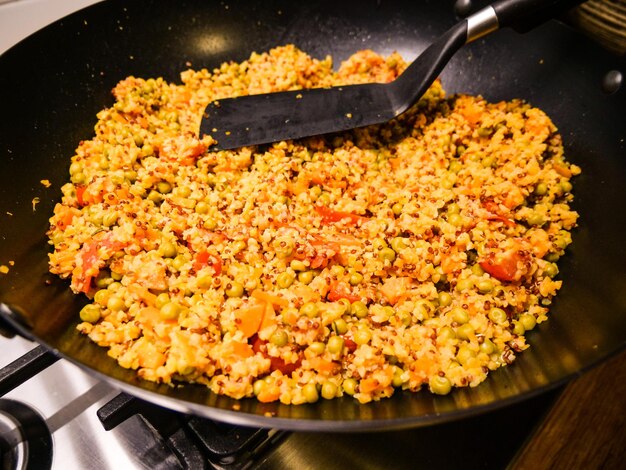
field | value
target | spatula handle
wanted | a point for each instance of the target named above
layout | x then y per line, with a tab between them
524	15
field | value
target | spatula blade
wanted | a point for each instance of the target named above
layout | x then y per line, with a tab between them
260	119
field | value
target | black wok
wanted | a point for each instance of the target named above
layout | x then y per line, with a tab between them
53	84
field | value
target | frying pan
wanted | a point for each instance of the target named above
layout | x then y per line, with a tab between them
53	83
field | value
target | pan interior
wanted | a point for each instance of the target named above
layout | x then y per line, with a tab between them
55	82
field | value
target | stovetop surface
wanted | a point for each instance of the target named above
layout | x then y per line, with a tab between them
68	399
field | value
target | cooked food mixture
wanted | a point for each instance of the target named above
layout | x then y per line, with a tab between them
410	255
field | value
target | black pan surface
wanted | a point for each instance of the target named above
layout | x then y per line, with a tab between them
53	83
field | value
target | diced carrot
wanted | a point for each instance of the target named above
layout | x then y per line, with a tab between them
142	293
269	317
369	385
562	170
395	288
324	366
270	298
249	318
149	356
269	393
237	350
452	261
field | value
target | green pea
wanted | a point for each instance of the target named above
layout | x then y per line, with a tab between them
329	390
460	150
455	219
138	140
234	289
324	199
424	308
362	336
115	303
238	246
78	178
309	309
566	186
487	346
283	247
90	313
306	277
210	224
349	386
317	348
477	269
387	254
103	280
541	189
114	286
497	315
335	344
109	219
285	279
445	299
258	386
170	311
528	321
155	196
446	333
164	187
179	262
310	393
455	166
355	278
202	207
518	328
298	265
464	354
398	244
484	286
102	296
465	331
340	326
439	385
76	167
484	131
464	285
205	281
397	380
453	208
536	219
337	270
167	249
551	270
460	315
405	318
397	208
182	191
162	299
279	338
488	162
359	309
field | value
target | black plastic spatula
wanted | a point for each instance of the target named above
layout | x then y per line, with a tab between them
265	118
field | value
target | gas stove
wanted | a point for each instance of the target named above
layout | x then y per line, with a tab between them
64	418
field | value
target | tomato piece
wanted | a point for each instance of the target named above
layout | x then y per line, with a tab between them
276	363
204	258
340	290
331	216
80	193
504	267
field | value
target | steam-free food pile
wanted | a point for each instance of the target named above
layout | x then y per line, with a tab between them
410	255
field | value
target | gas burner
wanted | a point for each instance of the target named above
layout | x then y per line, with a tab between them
25	440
